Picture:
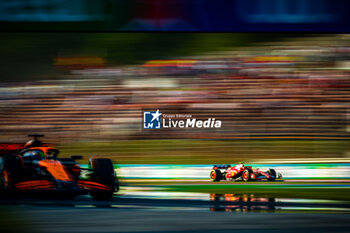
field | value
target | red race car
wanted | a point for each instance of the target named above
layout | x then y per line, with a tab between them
35	167
241	172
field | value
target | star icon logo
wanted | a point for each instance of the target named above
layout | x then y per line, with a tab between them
156	115
151	120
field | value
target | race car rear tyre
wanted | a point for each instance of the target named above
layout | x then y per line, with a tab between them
272	173
215	175
246	175
103	173
10	172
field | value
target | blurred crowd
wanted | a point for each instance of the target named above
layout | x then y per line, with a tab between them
295	88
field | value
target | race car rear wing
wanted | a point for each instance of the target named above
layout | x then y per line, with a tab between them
221	166
12	148
8	148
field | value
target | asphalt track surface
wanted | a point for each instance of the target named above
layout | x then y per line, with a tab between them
63	219
148	210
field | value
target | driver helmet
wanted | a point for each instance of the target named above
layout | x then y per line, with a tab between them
39	154
36	154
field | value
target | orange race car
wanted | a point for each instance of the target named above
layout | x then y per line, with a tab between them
34	167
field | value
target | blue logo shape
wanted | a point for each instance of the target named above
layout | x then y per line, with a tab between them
151	120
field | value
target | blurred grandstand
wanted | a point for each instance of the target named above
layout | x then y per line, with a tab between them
292	89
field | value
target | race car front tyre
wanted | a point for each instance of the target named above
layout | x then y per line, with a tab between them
215	175
272	173
103	173
279	175
247	174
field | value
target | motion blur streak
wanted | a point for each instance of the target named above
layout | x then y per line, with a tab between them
339	171
288	98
